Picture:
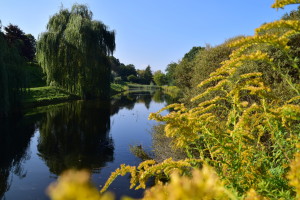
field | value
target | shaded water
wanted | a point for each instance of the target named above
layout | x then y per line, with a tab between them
93	135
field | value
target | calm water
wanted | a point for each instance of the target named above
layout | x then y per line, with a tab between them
94	135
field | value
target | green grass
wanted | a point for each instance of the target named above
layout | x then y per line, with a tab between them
41	96
46	95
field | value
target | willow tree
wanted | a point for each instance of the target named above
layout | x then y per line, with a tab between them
74	52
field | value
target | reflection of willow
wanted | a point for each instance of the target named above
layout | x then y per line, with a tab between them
76	136
14	142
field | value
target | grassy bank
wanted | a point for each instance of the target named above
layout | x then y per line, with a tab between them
40	96
133	86
125	86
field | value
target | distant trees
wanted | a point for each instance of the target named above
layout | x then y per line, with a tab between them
170	73
132	78
122	72
26	43
159	78
148	76
145	76
127	70
184	69
74	52
196	66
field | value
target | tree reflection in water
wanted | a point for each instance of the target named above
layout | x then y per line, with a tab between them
128	99
71	135
76	136
14	142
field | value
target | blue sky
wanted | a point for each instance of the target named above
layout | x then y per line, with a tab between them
153	32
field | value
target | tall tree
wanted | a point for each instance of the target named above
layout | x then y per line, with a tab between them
184	70
148	75
170	70
159	78
12	77
26	43
74	52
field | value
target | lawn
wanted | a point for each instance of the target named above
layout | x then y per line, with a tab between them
46	95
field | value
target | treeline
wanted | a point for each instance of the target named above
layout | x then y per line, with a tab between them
129	73
197	65
16	48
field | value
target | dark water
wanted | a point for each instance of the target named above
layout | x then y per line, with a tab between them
93	135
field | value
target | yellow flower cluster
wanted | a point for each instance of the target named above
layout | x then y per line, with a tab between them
282	3
149	168
288	24
269	39
204	184
75	185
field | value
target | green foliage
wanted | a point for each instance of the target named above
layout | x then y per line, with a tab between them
12	76
118	80
148	75
145	76
26	43
117	88
189	56
293	15
34	75
208	61
132	78
173	92
74	52
40	96
159	78
170	73
184	69
204	63
126	70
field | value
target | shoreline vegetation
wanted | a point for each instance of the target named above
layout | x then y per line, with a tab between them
50	95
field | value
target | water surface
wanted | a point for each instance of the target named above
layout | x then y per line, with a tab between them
93	135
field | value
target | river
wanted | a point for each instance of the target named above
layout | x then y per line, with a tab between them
93	135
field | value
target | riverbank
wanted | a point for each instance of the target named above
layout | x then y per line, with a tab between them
42	96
